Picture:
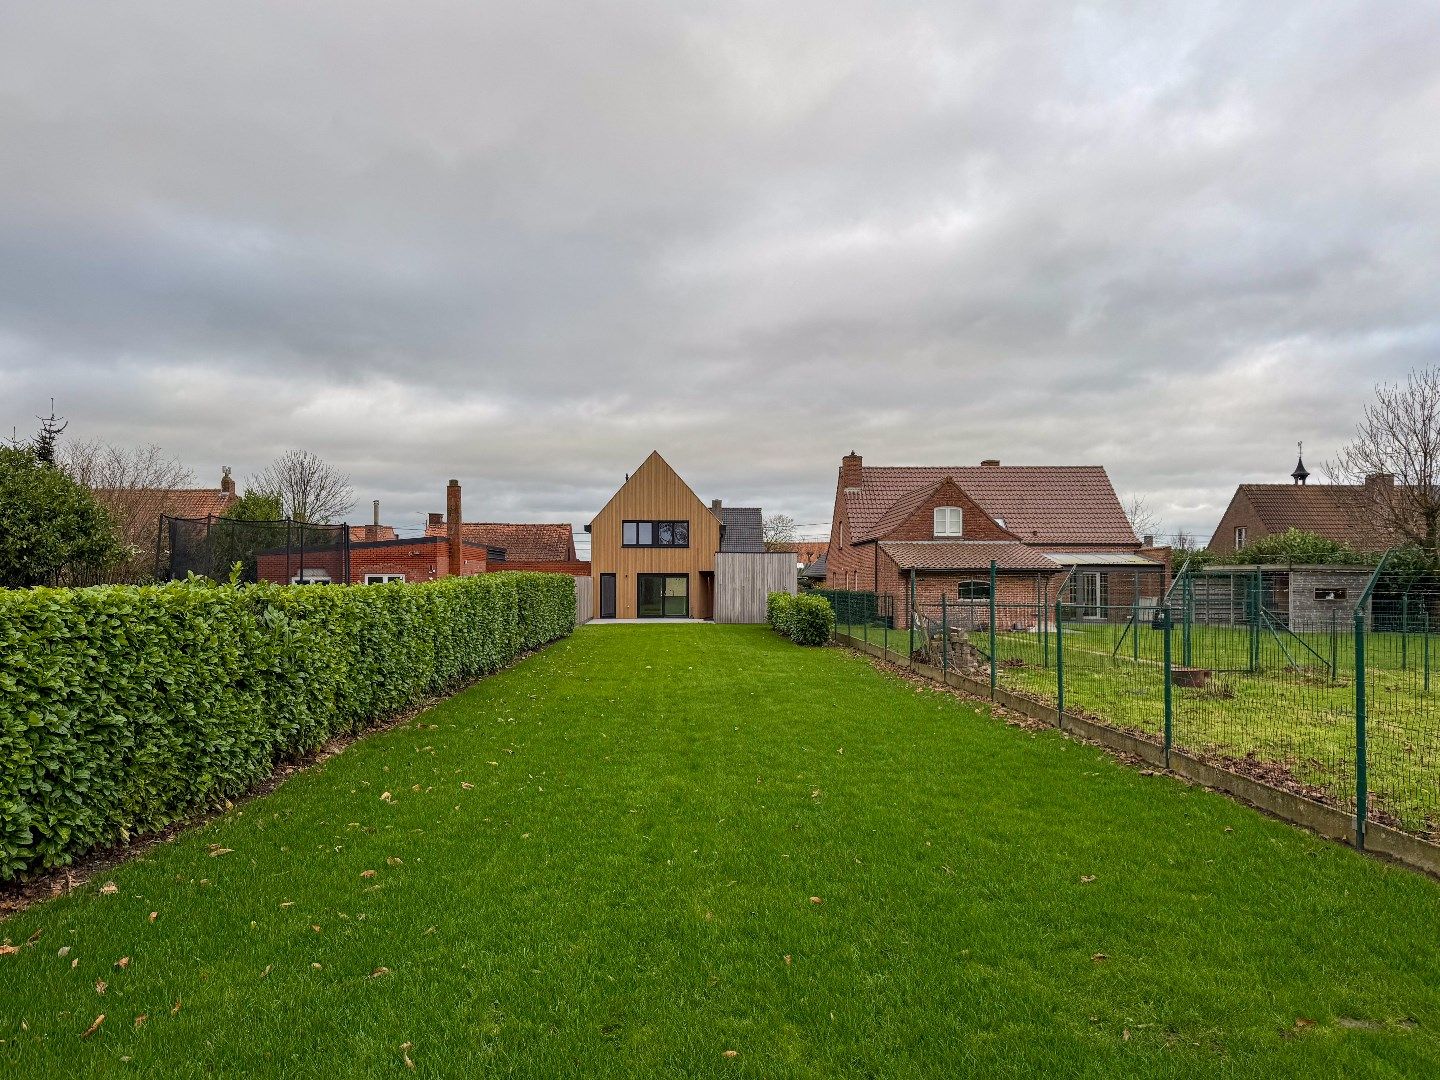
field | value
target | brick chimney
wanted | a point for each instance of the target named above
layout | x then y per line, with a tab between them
452	527
990	463
850	471
715	505
1380	481
227	482
372	531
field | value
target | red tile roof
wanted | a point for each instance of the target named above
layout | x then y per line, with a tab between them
965	555
176	502
542	542
1041	504
806	551
383	532
1340	512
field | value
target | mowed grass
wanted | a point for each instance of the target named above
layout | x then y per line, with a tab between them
1290	711
602	863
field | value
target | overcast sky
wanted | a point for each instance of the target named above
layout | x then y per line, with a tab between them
525	244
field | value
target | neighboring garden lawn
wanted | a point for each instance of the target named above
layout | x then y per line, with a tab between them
1290	712
602	863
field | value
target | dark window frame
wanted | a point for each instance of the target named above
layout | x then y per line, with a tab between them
665	596
979	590
654	525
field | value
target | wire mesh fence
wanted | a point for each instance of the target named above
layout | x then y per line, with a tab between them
285	552
1253	669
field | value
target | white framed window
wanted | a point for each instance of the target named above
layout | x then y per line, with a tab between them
1239	537
311	576
383	579
949	521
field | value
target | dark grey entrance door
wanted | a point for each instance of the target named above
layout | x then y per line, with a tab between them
607	596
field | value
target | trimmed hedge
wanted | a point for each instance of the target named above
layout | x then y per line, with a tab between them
126	708
805	620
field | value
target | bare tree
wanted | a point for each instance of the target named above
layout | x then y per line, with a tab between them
1143	520
1395	460
104	467
778	530
310	490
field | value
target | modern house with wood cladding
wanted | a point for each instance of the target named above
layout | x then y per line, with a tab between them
657	551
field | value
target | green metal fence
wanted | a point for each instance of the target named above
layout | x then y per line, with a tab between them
1254	669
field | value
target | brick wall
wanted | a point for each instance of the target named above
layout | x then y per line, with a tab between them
574	569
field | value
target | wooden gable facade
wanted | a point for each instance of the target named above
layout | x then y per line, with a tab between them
639	568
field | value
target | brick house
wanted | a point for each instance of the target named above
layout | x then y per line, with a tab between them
1344	513
936	529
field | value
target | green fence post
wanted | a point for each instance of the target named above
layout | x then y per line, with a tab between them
1187	619
992	628
1427	650
1405	630
1165	623
1361	780
1255	623
1059	662
944	637
911	615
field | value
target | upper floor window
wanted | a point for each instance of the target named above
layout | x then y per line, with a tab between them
1239	537
655	534
948	521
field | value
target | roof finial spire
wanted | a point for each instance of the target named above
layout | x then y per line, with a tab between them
1301	473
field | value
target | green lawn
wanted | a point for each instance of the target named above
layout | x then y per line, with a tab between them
601	863
1293	710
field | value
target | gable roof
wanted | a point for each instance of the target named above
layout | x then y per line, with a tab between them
965	555
540	542
807	552
173	502
744	529
1039	504
1335	511
383	532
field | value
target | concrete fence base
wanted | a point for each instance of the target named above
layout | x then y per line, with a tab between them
1327	821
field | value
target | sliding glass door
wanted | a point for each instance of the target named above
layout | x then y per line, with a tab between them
663	596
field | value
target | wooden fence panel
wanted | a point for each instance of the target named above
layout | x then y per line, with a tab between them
743	580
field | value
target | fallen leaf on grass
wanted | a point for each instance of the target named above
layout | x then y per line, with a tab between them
268	969
1086	879
405	1049
315	927
154	915
378	972
109	889
386	797
216	851
175	1009
731	1054
1301	1023
787	959
816	900
1125	1035
100	986
367	873
1099	957
9	950
140	1020
64	950
75	963
393	861
93	1027
123	963
466	785
35	936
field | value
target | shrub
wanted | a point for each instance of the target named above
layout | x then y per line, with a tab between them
805	620
126	708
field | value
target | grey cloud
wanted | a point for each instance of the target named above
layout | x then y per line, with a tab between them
524	246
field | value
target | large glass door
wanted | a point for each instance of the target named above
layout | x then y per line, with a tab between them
663	596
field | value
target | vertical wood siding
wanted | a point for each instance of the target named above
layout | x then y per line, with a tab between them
584	601
654	492
743	580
